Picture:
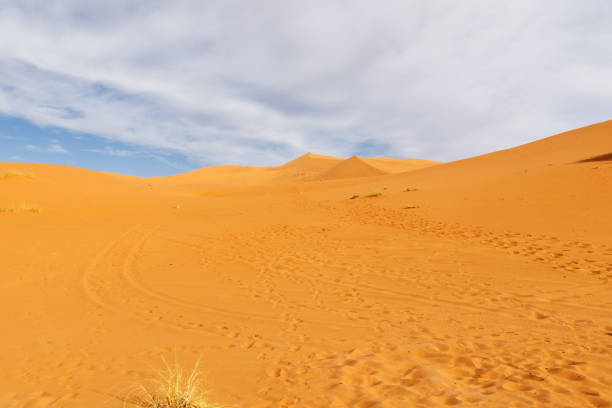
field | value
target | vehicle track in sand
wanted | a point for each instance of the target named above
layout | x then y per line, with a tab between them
398	351
110	283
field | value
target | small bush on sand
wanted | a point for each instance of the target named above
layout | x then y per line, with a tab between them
375	194
27	207
173	389
15	173
23	207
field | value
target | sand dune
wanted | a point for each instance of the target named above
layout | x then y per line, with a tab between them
484	282
312	163
350	168
307	167
539	187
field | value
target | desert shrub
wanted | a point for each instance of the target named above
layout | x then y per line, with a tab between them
173	389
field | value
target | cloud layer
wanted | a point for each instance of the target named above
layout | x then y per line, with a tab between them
261	82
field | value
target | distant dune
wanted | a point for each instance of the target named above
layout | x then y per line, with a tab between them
391	165
351	168
310	162
307	167
323	282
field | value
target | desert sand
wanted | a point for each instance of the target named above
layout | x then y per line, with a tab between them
485	282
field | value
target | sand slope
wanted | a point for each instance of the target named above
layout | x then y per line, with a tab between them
539	187
481	283
390	165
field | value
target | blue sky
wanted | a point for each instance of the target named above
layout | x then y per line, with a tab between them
23	141
154	88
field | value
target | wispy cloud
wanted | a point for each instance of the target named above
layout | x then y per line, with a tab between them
236	82
52	148
55	148
9	137
113	152
156	155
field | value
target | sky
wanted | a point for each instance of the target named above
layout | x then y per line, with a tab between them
153	88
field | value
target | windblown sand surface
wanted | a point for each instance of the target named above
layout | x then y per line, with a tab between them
488	283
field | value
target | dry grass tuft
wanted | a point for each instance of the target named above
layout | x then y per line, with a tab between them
374	194
23	207
173	389
15	173
27	207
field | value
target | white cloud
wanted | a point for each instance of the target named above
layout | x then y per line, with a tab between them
257	83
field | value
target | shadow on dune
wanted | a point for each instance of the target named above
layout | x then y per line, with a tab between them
601	157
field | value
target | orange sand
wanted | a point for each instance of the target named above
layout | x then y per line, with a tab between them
488	284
